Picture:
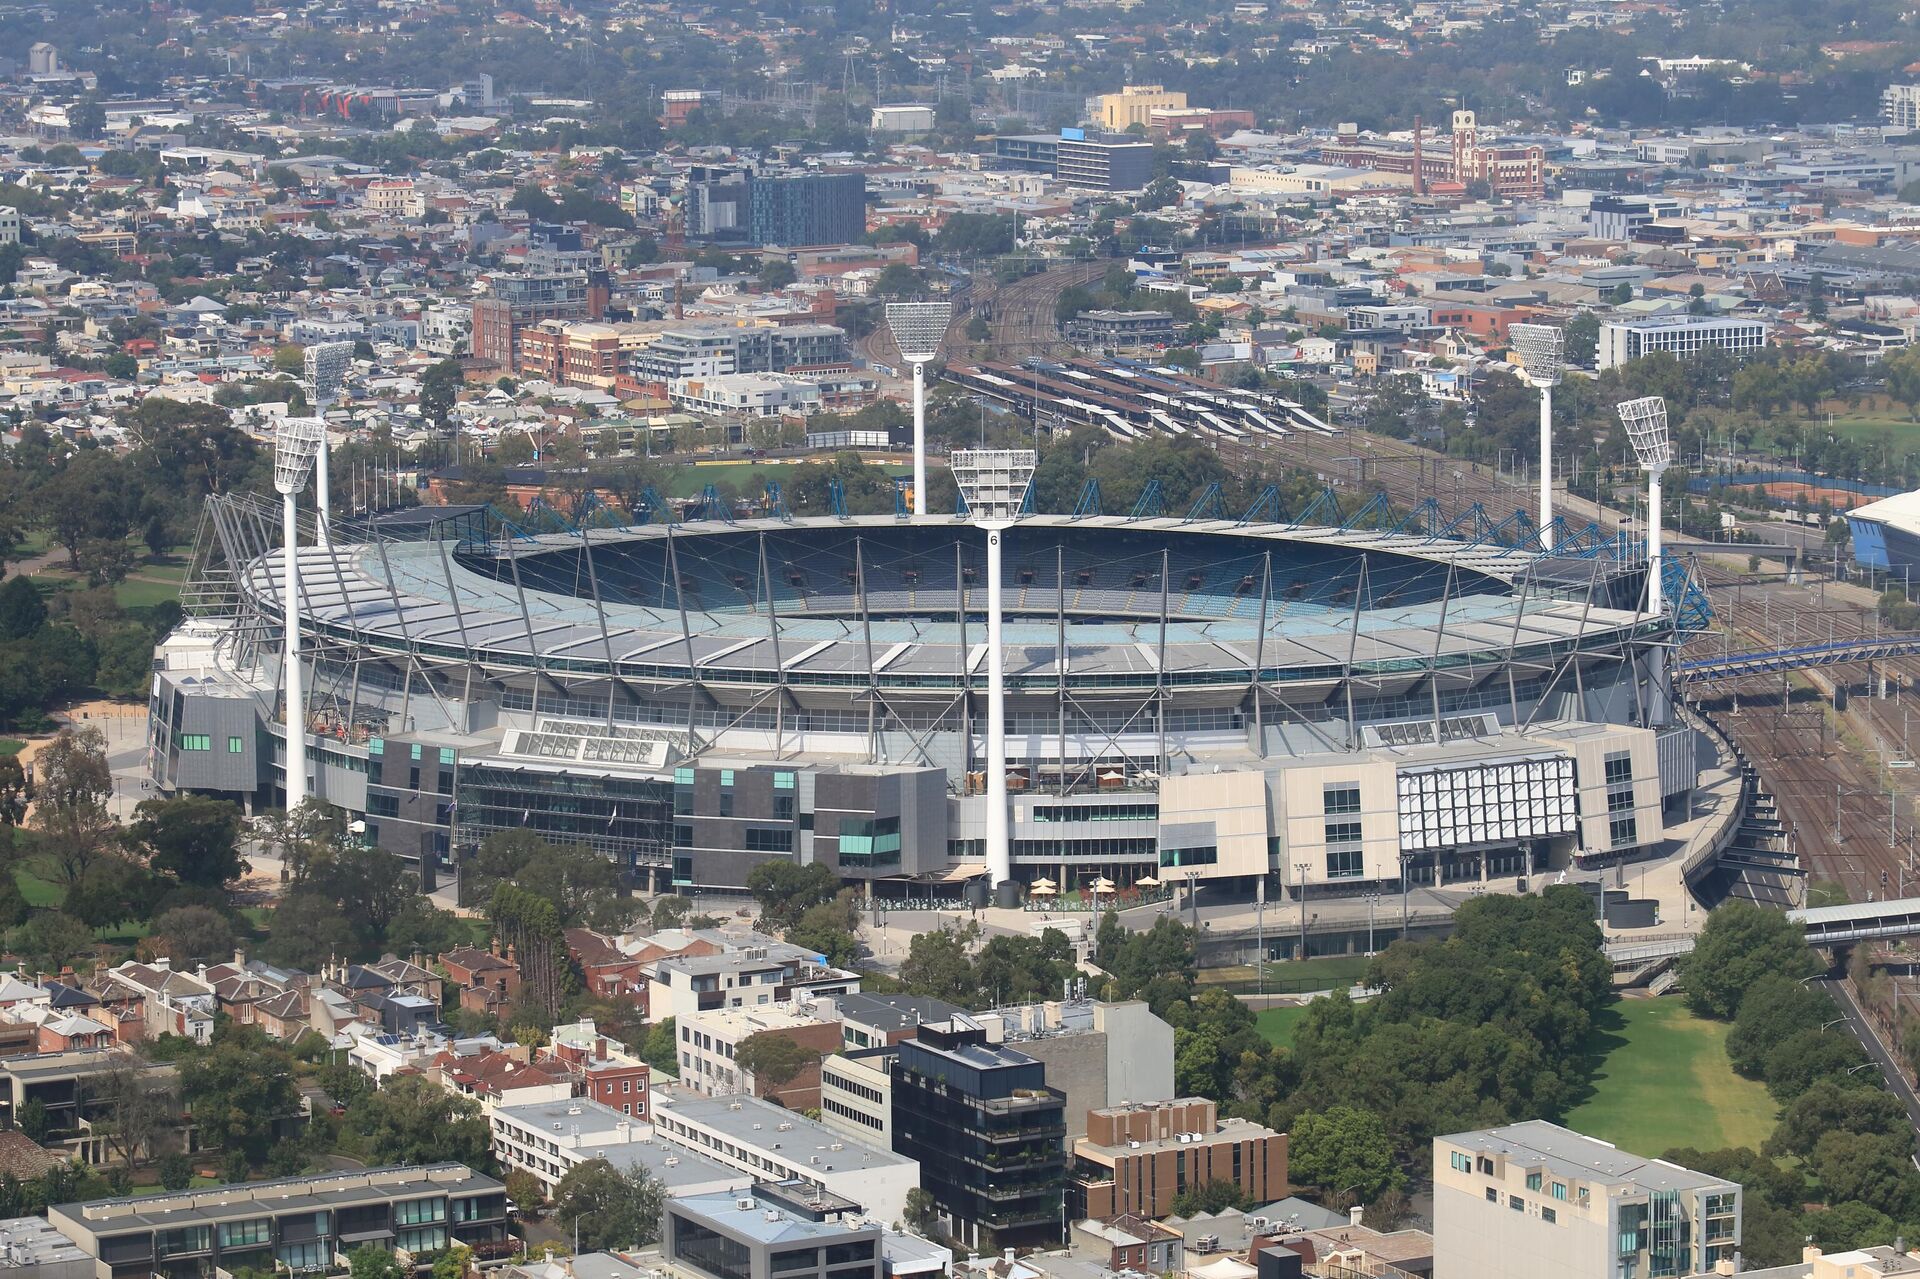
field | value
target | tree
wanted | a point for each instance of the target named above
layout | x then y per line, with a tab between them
1847	1225
52	938
1742	943
191	837
73	784
439	389
186	933
132	1110
1213	1196
777	273
524	1189
1799	1060
21	610
454	1263
921	1212
608	1208
773	1059
33	1119
939	963
1583	339
240	1091
175	1170
413	1121
371	1261
529	923
1872	1170
787	890
831	929
1343	1151
1772	1009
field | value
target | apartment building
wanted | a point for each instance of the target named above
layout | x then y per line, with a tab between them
549	1139
987	1133
856	1094
1680	335
755	977
769	1143
710	1042
769	1230
298	1225
1138	1159
1534	1198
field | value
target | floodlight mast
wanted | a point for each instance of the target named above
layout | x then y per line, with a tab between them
1646	423
326	368
295	446
994	483
1542	352
917	328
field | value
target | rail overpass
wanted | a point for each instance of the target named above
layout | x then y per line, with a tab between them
1867	921
1801	657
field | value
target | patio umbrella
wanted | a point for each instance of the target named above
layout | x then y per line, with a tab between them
1103	885
1146	881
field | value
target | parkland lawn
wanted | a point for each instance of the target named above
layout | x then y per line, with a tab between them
1662	1080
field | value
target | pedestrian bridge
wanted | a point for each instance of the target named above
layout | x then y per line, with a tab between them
1803	657
1868	921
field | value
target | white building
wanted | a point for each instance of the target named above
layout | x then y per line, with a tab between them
904	118
710	1041
1682	335
1900	105
768	1143
1534	1199
9	224
746	394
551	1138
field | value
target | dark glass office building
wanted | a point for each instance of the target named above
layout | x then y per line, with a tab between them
806	209
988	1132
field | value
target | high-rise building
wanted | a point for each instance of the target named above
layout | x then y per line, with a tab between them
1900	104
1535	1199
1103	162
738	206
986	1130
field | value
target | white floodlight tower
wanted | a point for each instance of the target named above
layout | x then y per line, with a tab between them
295	445
994	483
917	328
1542	350
1646	423
326	369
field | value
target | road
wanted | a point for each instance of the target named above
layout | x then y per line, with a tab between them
1870	1040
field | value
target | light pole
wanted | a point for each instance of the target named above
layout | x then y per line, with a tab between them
917	328
295	445
1646	423
1300	879
325	364
1371	899
1542	351
993	483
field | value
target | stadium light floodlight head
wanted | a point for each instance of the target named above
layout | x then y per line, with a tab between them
994	481
917	328
295	444
326	365
1646	423
1542	349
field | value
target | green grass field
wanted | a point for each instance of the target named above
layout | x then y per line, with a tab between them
1293	977
1278	1024
1663	1080
141	593
747	478
11	746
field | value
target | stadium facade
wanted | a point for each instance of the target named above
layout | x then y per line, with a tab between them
1327	708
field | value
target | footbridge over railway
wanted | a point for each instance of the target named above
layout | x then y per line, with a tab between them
1866	921
1801	657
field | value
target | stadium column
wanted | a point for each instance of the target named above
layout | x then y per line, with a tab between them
290	610
919	437
999	851
1546	466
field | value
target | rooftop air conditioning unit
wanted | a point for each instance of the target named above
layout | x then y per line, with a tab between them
744	1203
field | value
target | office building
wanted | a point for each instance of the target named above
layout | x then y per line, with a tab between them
856	1094
1134	104
987	1132
681	985
1117	330
782	1229
1533	1199
1138	1159
297	1225
1679	335
1620	217
1103	162
768	1142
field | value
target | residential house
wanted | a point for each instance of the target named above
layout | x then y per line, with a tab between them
602	1068
488	980
171	1002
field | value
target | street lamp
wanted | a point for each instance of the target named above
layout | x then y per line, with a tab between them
993	482
295	445
1300	879
1646	423
917	328
325	364
1542	350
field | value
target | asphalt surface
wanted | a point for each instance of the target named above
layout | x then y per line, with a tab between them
1870	1040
